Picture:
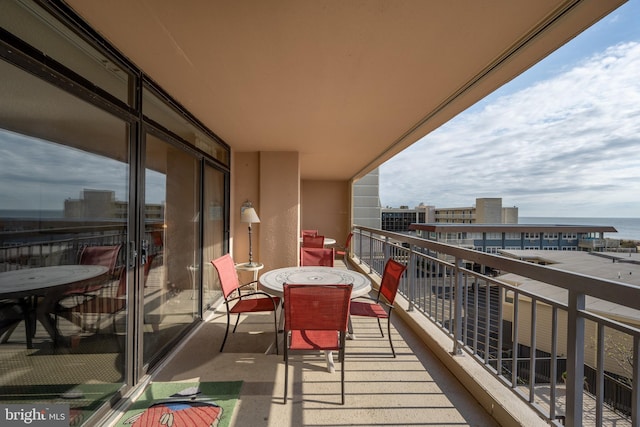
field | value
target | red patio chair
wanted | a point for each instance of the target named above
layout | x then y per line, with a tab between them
309	233
250	302
391	276
313	241
344	250
317	257
316	318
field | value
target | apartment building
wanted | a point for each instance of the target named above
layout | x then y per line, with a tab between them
485	211
494	237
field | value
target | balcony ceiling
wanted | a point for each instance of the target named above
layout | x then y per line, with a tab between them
347	84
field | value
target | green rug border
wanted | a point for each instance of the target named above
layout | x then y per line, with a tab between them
224	393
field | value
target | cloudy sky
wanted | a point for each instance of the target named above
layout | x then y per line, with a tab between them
562	140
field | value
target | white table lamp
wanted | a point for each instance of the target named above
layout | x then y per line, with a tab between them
248	214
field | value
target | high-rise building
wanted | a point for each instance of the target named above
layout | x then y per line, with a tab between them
366	201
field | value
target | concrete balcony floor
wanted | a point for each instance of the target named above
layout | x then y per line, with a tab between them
413	389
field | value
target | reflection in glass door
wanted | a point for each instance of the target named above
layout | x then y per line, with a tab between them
214	228
170	245
64	167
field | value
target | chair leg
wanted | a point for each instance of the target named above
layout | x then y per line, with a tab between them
6	333
275	328
286	373
342	374
389	333
236	325
380	327
226	332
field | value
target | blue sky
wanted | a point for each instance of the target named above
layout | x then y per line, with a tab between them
562	139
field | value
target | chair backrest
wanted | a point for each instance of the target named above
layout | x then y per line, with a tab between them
227	273
391	276
317	257
348	242
312	241
316	307
308	233
106	256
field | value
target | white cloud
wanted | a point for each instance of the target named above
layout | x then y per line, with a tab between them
41	175
565	146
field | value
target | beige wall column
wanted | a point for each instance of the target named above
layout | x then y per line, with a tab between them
279	209
245	172
271	181
326	207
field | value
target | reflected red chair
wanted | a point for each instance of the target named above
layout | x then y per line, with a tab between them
317	257
313	241
92	297
344	250
106	256
109	302
249	302
388	289
309	233
316	318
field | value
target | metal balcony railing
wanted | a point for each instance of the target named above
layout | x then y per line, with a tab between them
572	365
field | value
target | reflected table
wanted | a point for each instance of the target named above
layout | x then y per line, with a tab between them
28	284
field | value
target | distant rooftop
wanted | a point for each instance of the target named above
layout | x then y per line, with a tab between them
616	266
511	228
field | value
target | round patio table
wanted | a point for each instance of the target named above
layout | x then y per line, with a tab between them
272	281
328	241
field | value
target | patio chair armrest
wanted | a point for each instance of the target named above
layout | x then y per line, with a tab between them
273	299
240	288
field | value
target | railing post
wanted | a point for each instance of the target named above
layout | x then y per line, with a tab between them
360	246
457	310
635	393
386	251
575	359
411	278
370	252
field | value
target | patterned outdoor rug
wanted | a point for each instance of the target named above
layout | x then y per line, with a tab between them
197	404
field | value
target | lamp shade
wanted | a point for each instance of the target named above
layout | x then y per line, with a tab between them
249	215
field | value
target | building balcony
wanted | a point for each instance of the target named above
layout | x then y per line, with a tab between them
449	350
456	329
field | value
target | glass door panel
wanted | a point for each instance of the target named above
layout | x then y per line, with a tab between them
213	245
171	242
64	212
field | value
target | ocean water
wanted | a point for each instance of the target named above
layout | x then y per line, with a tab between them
628	228
31	213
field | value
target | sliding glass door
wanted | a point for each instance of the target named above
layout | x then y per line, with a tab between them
113	200
170	244
64	233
